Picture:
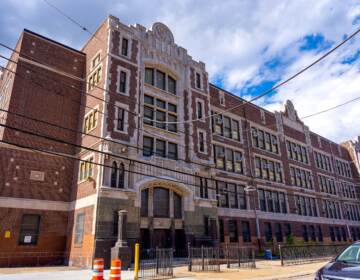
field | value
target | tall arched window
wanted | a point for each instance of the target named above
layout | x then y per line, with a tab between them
161	202
121	180
114	171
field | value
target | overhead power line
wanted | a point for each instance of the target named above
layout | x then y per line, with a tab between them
332	108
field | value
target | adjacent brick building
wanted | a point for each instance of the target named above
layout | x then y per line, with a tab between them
243	176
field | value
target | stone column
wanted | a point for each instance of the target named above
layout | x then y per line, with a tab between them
121	250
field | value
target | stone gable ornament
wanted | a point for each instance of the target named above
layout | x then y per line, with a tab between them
290	110
163	33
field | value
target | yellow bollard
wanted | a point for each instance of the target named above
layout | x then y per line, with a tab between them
136	261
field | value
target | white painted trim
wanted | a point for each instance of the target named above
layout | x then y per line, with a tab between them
127	82
126	117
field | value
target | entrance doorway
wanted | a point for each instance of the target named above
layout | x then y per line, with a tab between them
162	238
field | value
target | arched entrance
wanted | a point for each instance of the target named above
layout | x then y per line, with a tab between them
162	209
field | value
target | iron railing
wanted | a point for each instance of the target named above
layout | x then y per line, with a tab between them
238	257
156	263
299	254
210	258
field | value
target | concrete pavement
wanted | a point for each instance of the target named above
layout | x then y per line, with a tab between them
265	270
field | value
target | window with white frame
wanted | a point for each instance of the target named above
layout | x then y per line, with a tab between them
264	140
225	126
160	113
268	170
272	201
297	152
301	178
347	190
123	80
305	205
228	159
86	168
231	195
327	184
323	161
125	46
90	121
117	175
121	118
343	168
160	80
202	141
94	77
160	148
200	110
331	209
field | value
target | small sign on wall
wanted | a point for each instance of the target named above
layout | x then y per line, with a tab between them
7	234
27	239
37	175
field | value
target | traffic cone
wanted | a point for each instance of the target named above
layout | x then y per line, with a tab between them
98	269
115	271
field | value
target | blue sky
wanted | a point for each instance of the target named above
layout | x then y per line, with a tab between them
248	45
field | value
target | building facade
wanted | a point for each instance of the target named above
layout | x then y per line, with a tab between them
189	161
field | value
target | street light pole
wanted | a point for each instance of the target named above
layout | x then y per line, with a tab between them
249	189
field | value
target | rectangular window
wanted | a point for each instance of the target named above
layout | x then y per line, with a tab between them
246	231
144	203
120	119
177	206
227	127
171	85
148	115
242	197
268	232
149	76
332	233
262	201
160	119
122	86
278	233
238	161
223	198
79	229
198	80
229	160
172	151
201	142
235	130
264	140
161	202
305	233
233	195
124	47
160	148
199	110
29	229
220	157
221	230
160	80
320	234
148	146
233	231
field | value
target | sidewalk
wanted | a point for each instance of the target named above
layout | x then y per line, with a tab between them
265	270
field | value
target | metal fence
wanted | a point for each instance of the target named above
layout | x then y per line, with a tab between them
238	257
299	254
20	259
204	259
156	263
210	258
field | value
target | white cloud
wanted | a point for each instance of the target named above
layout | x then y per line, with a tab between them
234	38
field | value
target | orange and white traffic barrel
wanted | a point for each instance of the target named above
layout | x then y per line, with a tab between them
98	269
115	270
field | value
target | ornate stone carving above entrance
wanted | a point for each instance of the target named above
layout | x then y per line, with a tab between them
163	33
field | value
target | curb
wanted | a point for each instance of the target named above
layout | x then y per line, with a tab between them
290	276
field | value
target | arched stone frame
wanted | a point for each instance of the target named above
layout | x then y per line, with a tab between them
108	173
168	183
